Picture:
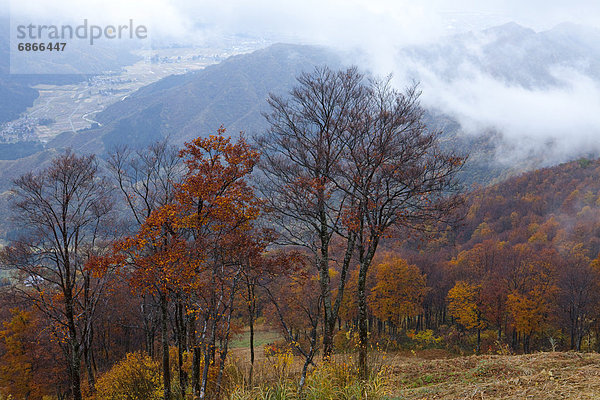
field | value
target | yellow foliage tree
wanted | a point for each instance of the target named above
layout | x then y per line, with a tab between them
399	290
15	364
532	299
464	304
483	231
528	310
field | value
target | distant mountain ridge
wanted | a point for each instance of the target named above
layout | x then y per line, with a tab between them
233	94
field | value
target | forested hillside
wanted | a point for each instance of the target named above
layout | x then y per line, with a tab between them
345	227
524	261
551	206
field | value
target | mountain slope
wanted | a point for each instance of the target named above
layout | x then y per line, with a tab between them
182	107
550	206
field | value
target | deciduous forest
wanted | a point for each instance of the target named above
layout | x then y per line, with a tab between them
293	263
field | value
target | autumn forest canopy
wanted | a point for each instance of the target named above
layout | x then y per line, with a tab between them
343	230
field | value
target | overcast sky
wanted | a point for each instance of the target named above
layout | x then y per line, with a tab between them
378	28
343	22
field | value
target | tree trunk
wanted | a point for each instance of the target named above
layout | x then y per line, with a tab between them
572	343
363	317
362	325
196	360
149	327
197	355
309	358
225	343
74	356
580	333
514	341
181	344
192	346
335	310
89	365
75	375
209	349
251	311
325	284
165	347
88	337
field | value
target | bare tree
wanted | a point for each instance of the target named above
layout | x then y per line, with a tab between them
347	157
300	159
395	172
63	209
146	177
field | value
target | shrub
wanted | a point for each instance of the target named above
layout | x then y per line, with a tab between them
137	377
276	347
336	380
279	362
341	381
425	339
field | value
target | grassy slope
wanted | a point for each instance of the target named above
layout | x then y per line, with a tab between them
262	336
437	374
533	376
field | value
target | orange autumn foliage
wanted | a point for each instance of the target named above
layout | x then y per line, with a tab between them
212	202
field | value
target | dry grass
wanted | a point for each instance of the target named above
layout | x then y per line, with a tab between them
534	376
438	374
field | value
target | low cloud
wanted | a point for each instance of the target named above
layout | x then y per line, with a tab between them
562	120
